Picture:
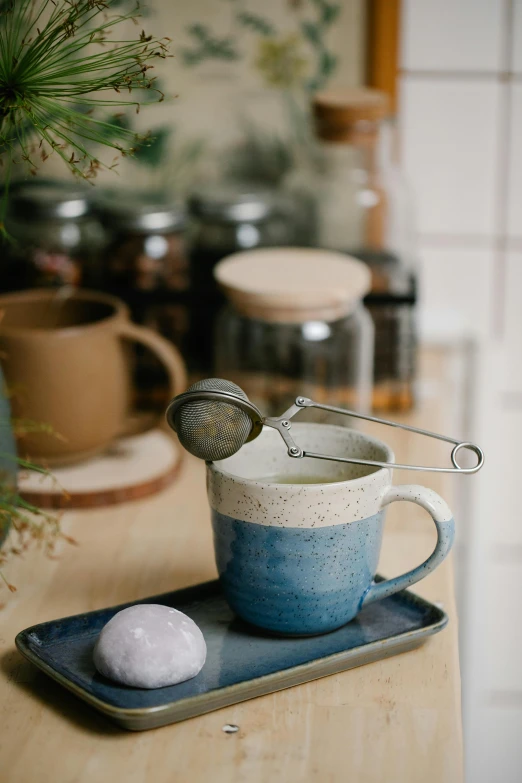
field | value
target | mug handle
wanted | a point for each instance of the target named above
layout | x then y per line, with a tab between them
168	355
443	518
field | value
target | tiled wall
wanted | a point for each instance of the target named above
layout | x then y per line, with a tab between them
459	102
461	136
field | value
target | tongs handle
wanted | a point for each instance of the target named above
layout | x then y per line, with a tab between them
282	424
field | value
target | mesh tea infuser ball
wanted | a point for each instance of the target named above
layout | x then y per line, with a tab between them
211	428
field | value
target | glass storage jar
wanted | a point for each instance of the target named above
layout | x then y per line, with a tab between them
146	251
295	325
352	194
57	235
145	264
224	219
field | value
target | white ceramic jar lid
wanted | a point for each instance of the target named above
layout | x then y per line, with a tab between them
293	284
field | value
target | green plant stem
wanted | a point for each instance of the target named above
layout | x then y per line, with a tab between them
51	79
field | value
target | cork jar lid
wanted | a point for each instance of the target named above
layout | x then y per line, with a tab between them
293	284
336	111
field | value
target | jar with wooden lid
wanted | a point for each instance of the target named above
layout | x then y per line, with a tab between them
295	325
355	196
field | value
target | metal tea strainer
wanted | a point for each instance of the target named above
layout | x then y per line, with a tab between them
214	419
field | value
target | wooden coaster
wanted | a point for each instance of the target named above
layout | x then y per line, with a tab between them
131	469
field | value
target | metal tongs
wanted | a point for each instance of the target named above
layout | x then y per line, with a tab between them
283	426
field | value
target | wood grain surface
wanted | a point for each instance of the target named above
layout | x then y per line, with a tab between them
130	469
397	720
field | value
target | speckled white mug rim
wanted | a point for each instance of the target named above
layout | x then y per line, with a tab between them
353	482
247	496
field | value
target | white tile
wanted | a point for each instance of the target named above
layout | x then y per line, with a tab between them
493	747
503	640
504	364
452	35
509	361
449	142
500	484
455	292
512	380
515	163
516	47
493	502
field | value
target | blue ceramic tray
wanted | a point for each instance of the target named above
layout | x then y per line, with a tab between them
241	662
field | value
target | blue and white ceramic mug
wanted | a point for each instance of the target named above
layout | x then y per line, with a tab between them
300	558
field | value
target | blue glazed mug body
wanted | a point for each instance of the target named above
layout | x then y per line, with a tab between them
297	542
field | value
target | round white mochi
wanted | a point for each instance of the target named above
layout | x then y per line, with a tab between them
150	646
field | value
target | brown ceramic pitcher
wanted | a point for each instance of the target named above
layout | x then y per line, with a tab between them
65	364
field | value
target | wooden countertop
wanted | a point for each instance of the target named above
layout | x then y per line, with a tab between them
397	720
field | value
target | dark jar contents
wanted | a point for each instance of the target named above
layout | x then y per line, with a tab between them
392	306
145	264
56	237
225	219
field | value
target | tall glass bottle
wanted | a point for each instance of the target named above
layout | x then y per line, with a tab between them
353	195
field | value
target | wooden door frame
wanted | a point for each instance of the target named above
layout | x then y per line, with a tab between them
383	25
